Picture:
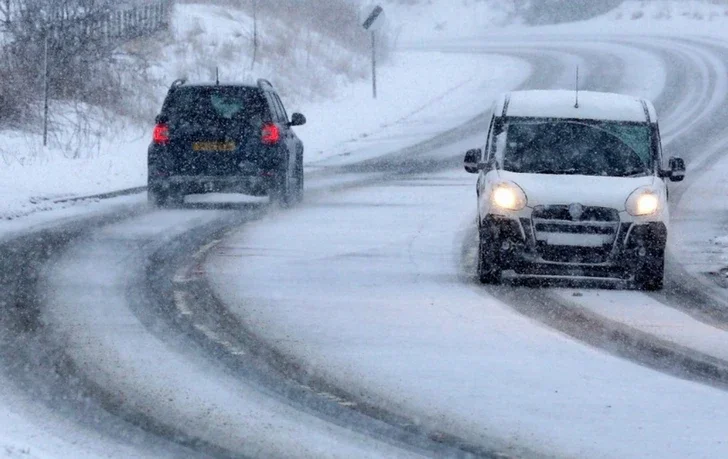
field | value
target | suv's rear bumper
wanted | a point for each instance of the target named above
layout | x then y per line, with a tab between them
193	184
518	250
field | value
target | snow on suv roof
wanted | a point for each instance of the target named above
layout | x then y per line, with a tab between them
560	104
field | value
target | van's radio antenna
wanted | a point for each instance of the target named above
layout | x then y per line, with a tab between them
576	105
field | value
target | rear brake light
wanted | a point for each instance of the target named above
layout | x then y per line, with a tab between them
161	134
271	134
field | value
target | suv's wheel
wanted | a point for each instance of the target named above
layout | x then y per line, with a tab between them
489	270
281	191
156	197
299	180
175	199
650	276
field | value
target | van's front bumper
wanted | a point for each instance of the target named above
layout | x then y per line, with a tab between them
519	246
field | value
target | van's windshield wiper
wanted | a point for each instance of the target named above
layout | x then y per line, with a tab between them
571	171
635	173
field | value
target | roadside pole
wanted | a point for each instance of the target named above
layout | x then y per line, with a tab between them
45	93
374	64
255	34
373	18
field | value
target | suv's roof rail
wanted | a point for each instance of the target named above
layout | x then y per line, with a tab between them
263	82
177	83
506	103
646	109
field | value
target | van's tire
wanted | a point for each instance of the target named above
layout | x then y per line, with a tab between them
489	270
651	275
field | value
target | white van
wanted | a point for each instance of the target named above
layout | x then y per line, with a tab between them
573	185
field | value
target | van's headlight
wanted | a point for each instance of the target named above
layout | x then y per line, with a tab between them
643	201
508	196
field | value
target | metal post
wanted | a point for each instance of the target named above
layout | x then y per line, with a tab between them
45	94
255	34
374	65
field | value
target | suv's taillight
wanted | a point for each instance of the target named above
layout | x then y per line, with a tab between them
161	134
271	134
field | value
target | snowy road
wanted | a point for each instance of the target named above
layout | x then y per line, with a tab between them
382	301
352	326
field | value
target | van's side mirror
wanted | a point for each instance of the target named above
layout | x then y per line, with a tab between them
297	120
472	160
676	171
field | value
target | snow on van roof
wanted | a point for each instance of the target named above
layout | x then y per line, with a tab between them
592	105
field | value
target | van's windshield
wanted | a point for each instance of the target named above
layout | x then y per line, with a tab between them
603	148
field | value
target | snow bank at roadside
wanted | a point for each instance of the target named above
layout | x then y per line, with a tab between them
34	178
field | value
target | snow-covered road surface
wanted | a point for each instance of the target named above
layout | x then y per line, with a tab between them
375	295
379	342
374	300
122	345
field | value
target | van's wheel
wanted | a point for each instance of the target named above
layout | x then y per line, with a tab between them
651	275
489	270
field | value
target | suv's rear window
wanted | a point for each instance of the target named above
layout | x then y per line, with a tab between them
215	104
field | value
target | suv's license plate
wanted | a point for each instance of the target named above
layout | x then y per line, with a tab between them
213	146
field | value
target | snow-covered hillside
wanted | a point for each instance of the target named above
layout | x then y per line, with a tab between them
305	65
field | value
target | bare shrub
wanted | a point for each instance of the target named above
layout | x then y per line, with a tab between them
82	51
338	19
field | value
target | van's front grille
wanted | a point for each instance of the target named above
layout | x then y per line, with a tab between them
575	234
586	214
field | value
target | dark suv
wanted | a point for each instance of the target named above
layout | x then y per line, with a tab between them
225	138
